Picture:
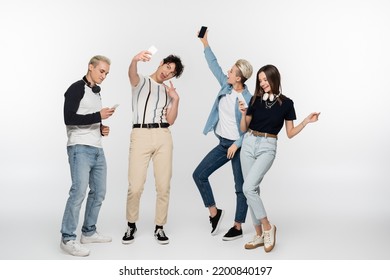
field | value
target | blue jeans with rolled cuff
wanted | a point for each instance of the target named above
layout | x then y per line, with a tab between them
215	159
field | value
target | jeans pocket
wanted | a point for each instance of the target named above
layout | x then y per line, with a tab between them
271	141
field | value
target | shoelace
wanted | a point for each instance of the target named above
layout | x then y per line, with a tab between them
254	241
160	232
128	233
74	244
267	237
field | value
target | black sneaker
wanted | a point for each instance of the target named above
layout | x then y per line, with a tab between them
232	234
160	236
128	238
216	221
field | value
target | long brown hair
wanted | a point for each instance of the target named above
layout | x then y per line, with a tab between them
274	80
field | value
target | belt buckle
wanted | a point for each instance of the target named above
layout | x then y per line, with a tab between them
152	125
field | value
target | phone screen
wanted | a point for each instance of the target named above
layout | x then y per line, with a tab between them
202	31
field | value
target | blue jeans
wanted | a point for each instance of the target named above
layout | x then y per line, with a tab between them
257	156
216	158
87	167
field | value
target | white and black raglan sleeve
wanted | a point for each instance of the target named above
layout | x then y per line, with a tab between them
73	96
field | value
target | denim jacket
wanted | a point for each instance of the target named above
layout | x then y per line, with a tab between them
226	88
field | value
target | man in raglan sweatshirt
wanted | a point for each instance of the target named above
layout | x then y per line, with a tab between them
83	114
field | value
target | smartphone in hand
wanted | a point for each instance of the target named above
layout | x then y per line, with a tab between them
242	99
152	50
202	31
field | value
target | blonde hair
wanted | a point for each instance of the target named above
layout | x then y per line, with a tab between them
95	60
245	68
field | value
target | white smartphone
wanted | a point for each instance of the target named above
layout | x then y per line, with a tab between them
241	98
115	106
152	50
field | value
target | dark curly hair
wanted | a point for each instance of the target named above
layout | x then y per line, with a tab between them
179	67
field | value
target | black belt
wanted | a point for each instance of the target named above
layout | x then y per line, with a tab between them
151	125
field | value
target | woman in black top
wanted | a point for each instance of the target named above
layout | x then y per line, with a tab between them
268	110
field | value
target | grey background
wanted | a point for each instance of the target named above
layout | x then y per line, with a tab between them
327	191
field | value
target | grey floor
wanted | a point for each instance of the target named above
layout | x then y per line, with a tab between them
310	227
319	218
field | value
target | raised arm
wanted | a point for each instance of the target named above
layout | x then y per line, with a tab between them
133	71
292	130
212	61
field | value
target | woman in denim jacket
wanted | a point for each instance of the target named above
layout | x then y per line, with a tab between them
224	120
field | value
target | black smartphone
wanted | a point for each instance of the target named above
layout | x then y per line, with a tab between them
202	31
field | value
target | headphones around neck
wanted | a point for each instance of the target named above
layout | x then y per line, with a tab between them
271	96
95	88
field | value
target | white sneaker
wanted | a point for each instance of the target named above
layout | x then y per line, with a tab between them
256	242
95	238
74	248
269	238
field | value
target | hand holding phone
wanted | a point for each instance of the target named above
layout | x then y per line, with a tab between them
152	50
242	99
202	31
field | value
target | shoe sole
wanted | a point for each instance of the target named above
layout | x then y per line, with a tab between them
269	249
162	242
127	242
250	247
94	241
215	232
69	253
231	238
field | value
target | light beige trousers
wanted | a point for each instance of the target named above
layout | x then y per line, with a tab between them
149	144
